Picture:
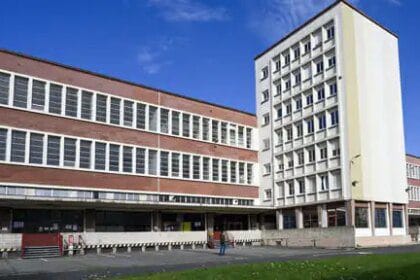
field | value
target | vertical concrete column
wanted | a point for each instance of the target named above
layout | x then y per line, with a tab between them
156	221
262	223
249	222
279	219
350	221
90	220
371	210
210	223
322	215
299	217
389	214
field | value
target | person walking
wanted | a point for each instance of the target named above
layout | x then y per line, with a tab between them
222	243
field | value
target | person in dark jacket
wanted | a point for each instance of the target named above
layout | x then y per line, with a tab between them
222	243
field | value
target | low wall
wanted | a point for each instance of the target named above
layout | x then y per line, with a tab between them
333	237
10	240
381	241
245	235
121	238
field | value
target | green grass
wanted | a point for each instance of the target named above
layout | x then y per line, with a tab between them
393	266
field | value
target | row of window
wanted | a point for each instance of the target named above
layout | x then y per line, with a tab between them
413	171
414	193
301	49
125	196
380	217
54	150
48	97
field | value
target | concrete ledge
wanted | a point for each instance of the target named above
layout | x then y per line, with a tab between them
383	241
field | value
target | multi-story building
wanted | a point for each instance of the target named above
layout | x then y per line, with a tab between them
80	151
331	127
413	189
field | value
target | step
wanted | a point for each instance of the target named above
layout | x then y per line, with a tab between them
41	252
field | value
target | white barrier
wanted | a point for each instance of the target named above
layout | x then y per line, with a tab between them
10	241
244	235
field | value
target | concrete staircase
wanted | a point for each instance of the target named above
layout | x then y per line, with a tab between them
36	252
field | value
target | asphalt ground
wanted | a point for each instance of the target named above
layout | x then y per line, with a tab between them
93	266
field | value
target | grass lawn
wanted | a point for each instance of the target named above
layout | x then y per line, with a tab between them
393	266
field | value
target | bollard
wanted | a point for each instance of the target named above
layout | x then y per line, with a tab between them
169	247
193	246
204	246
156	247
98	250
4	255
243	244
128	249
182	247
143	248
114	250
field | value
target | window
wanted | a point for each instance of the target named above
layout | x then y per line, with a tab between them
249	138
286	59
215	167
397	218
186	119
279	111
296	53
310	126
175	123
321	94
277	64
311	155
297	77
36	147
232	135
153	162
54	104
264	96
307	47
71	102
299	130
301	157
380	217
86	112
334	118
336	152
140	160
289	220
100	156
164	163
323	152
53	150
233	172
324	182
18	146
115	110
38	95
114	157
69	152
141	116
288	109
266	119
196	127
309	99
127	159
331	61
20	98
322	123
249	174
206	168
291	188
85	151
330	32
267	194
224	170
4	88
278	89
175	165
185	166
264	73
205	131
3	139
215	131
267	169
128	113
164	120
279	134
298	103
301	186
196	167
153	118
287	85
241	172
333	89
101	108
319	67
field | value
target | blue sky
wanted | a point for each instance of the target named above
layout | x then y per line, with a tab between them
202	49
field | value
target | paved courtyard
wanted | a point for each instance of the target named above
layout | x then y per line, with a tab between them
92	266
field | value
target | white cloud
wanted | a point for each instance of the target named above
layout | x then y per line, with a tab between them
395	2
276	18
189	10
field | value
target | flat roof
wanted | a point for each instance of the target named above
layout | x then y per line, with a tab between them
122	80
317	16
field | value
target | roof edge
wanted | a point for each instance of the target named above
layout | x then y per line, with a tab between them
411	155
291	33
122	80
